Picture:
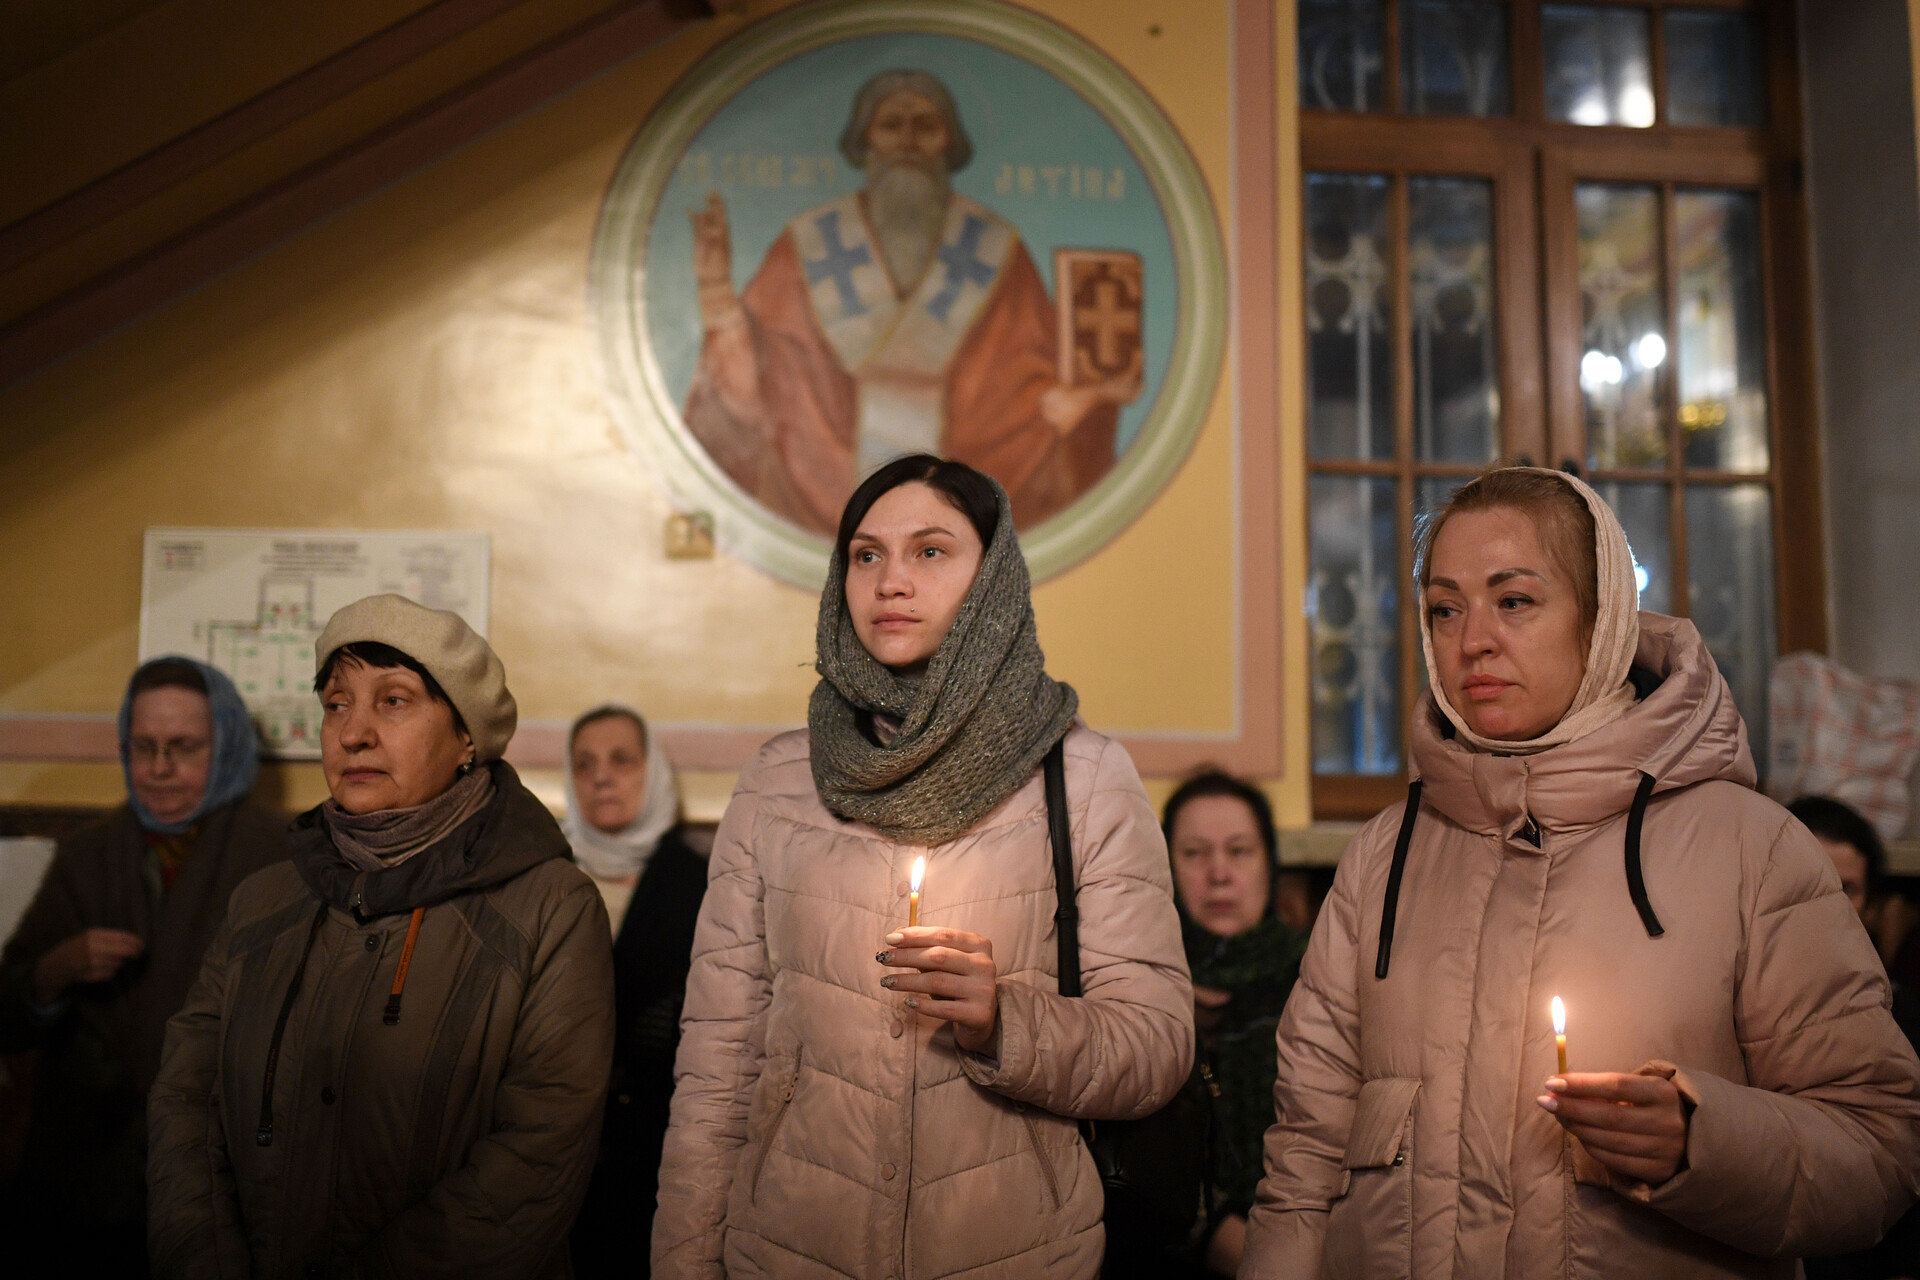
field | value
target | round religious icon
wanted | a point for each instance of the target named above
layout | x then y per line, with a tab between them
866	228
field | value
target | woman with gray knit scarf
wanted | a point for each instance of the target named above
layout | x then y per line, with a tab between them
858	1097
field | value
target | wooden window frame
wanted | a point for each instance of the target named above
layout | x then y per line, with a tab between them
1534	165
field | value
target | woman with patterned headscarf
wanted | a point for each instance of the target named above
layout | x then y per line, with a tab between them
105	955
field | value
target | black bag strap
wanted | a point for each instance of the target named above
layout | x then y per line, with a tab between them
1066	916
1391	906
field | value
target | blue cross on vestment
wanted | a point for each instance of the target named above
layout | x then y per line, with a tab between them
840	263
962	261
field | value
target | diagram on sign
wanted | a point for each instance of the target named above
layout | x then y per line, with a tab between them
252	602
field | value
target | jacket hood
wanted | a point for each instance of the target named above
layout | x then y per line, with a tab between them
1684	730
513	833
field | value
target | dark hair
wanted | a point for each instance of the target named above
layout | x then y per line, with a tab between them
1834	820
607	711
1217	782
1561	519
384	657
969	492
853	139
168	673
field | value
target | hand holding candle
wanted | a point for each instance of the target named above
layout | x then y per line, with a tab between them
1632	1124
954	978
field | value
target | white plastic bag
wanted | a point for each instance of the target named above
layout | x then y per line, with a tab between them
1842	735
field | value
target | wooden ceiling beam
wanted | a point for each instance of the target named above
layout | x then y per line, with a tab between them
250	226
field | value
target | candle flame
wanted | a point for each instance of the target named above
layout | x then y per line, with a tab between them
919	873
1559	1017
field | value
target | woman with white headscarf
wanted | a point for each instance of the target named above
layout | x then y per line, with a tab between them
623	820
1731	1093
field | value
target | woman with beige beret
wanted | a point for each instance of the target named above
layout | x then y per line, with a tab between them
396	1054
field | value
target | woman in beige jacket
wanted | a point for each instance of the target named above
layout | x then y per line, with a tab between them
1583	825
858	1098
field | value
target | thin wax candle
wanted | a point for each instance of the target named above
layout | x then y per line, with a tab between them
1560	1032
913	896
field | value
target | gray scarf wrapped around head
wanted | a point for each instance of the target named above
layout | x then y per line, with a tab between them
972	727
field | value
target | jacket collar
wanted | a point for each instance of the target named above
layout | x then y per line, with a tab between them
1684	731
513	833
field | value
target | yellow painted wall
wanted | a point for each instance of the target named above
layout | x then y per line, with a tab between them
427	359
1913	41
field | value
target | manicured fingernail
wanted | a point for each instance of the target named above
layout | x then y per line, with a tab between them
884	957
887	982
1557	1085
912	1003
1549	1104
893	939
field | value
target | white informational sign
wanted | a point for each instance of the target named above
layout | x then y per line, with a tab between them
252	601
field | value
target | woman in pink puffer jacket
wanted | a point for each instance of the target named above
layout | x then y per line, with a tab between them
856	1098
1583	824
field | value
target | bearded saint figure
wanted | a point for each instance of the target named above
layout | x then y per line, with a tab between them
902	318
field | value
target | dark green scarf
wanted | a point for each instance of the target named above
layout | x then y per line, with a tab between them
1258	968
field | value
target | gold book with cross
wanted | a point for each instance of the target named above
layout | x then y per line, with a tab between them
1099	297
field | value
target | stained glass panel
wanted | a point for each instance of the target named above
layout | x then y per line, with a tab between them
1731	591
1340	60
1624	340
1353	602
1721	358
1714	73
1598	67
1349	317
1456	385
1454	58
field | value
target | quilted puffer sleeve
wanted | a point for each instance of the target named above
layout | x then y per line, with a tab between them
722	1045
1819	1152
1123	1048
1319	1048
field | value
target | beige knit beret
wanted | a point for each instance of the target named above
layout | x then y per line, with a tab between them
452	652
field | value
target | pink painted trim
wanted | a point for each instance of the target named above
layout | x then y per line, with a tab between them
322	189
260	116
62	739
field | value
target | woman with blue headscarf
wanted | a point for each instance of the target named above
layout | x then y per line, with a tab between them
108	949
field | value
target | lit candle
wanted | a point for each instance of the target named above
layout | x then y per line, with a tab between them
1560	1032
913	897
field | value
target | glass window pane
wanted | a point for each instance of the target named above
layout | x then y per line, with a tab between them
1454	58
1430	494
1340	55
1714	73
1644	514
1349	317
1456	381
1721	359
1624	338
1730	591
1353	624
1597	64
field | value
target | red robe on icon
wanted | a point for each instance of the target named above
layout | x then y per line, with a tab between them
849	370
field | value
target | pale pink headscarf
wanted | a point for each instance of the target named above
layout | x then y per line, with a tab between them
1604	694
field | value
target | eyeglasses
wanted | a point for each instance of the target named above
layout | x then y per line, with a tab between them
180	751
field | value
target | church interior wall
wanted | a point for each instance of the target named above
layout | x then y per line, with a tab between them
427	359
